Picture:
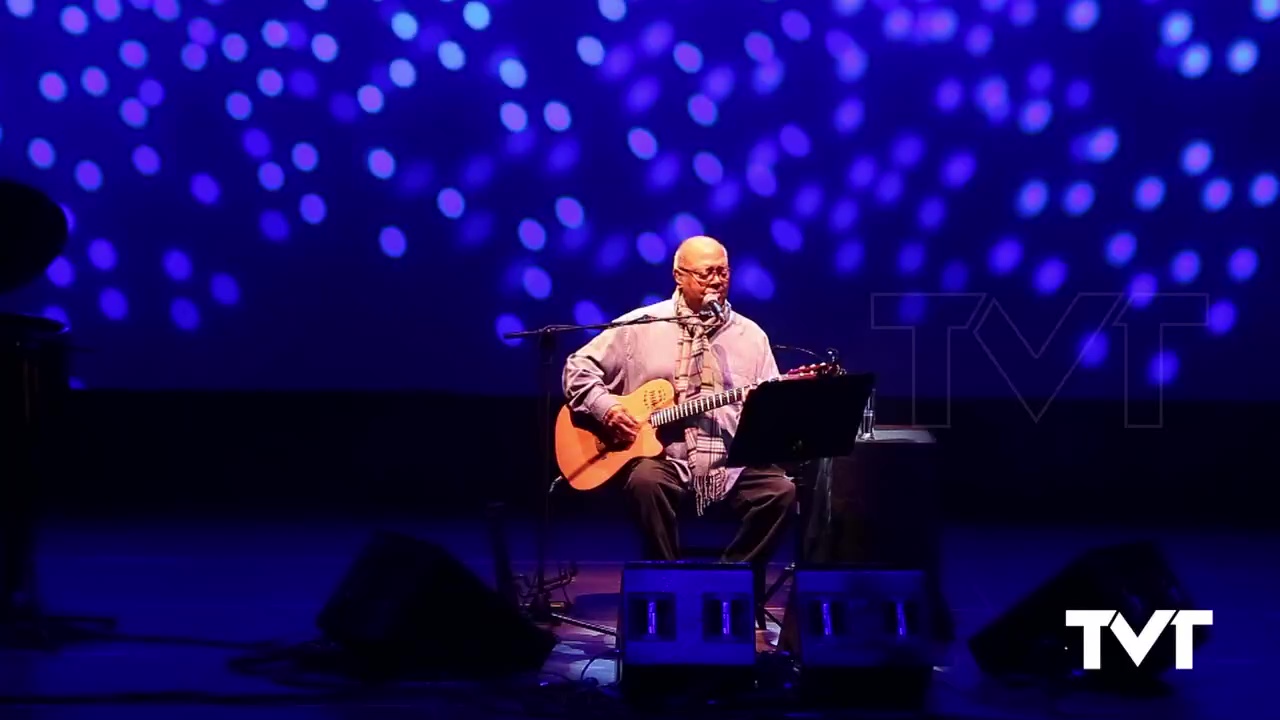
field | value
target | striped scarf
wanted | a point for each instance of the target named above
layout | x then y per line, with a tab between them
698	373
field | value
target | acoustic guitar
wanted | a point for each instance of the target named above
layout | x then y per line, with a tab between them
588	457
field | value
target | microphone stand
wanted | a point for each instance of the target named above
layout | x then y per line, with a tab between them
538	604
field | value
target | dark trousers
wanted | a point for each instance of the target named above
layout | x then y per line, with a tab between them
761	498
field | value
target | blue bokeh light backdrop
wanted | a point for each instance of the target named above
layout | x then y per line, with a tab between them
312	193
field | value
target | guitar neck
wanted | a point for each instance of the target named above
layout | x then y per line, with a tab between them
699	406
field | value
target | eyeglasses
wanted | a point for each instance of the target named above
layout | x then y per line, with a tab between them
706	276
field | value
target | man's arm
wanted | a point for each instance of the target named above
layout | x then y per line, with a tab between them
768	368
593	375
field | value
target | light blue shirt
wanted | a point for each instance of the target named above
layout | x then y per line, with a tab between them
618	361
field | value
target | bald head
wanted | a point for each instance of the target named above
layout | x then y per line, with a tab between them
701	268
699	248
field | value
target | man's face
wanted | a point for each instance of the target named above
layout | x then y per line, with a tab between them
702	272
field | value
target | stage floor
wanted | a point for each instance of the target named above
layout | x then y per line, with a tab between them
199	591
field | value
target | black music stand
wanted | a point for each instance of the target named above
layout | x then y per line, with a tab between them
800	421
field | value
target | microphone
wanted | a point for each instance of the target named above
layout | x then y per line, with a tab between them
712	303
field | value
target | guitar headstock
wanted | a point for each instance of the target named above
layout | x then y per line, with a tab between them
813	371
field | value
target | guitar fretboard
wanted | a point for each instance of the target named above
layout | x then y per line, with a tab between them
698	406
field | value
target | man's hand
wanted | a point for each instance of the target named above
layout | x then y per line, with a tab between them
621	426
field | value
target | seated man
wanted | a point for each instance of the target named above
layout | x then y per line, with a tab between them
700	356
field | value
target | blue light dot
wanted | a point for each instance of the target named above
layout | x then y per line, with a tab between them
1142	290
102	254
614	10
133	54
402	73
758	46
978	41
53	87
890	187
1093	349
708	168
506	324
1185	267
685	225
1148	194
234	47
590	50
1216	195
1102	144
146	160
862	172
795	25
642	143
1121	248
370	99
1263	190
113	304
1243	264
108	10
1196	157
275	34
324	47
476	15
849	115
451	55
224	288
1176	28
786	235
151	92
194	57
274	225
134	113
761	180
911	258
849	256
808	201
569	212
1005	255
688	57
201	31
184	314
556	115
392	241
94	81
512	73
404	25
451	203
768	76
177	265
256	143
239	106
88	175
61	272
1242	56
270	82
305	157
1035	116
1221	317
1082	15
1078	199
381	163
21	8
1040	78
949	95
643	94
651	248
312	209
843	215
514	117
1050	276
532	235
1266	10
1078	94
794	141
537	282
74	20
41	153
958	169
932	213
167	10
756	281
1195	61
1163	368
897	23
955	276
1032	198
703	110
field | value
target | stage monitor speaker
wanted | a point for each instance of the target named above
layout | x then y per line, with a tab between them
407	608
1032	640
686	629
862	637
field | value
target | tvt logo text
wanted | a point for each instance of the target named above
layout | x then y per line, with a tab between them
1138	645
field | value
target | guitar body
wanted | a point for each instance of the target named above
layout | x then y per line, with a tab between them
586	460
